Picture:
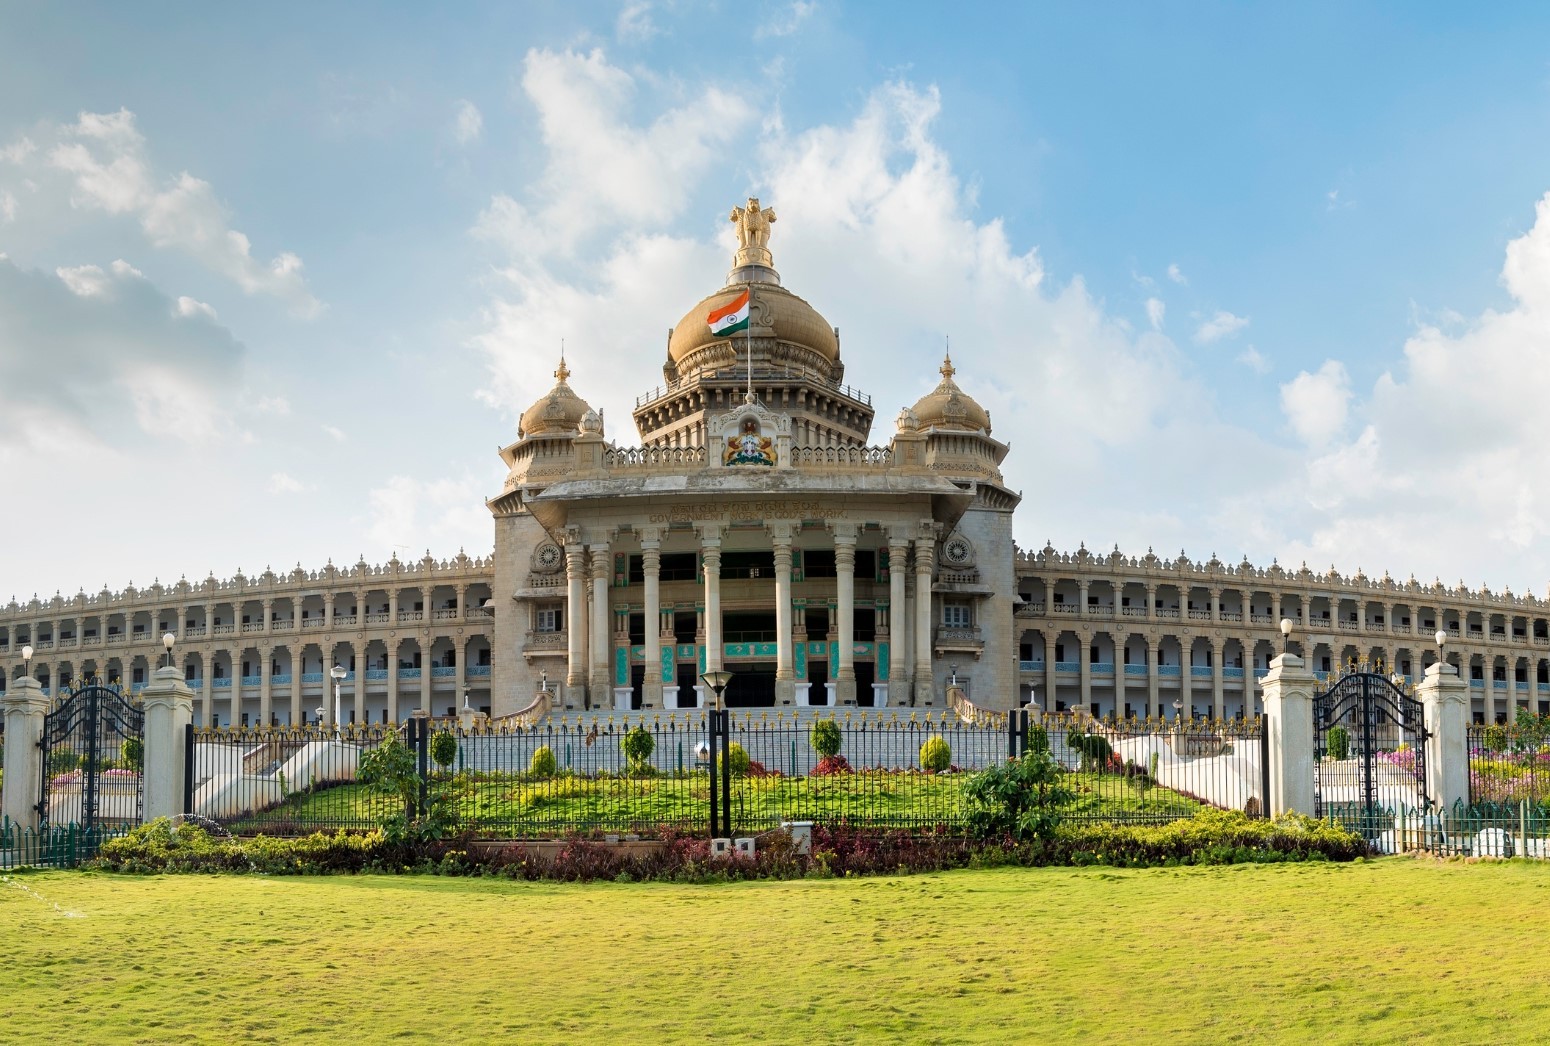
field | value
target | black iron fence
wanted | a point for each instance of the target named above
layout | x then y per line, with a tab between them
1509	763
734	773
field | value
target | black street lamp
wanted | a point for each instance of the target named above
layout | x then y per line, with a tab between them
717	681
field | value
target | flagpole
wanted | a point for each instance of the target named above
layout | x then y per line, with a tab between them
748	339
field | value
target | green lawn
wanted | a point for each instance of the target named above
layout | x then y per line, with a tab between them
1389	951
518	805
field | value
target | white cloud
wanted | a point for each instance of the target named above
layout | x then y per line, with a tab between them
7	205
85	335
104	156
1255	360
789	21
187	307
1223	325
412	514
879	233
336	433
601	169
1316	404
281	483
18	150
273	405
634	24
1176	275
468	125
1155	311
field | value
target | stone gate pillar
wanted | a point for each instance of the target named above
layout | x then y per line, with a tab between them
169	708
25	706
1288	692
1445	703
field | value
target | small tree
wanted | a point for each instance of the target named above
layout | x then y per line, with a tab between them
1020	798
935	755
1338	743
638	744
132	752
825	737
389	769
737	759
443	749
1494	738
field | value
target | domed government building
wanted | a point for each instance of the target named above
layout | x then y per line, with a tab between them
759	528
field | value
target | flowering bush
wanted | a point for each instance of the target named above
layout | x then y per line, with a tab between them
831	764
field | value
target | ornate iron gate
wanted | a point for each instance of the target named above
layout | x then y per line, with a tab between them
93	760
1369	750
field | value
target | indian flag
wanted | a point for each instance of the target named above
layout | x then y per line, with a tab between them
730	318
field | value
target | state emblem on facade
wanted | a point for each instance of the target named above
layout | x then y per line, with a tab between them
749	446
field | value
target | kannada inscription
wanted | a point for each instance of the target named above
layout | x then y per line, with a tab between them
749	511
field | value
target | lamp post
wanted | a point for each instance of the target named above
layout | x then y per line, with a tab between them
717	681
1178	709
954	669
1286	635
338	674
27	660
167	639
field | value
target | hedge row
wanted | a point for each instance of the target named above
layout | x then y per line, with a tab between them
1210	837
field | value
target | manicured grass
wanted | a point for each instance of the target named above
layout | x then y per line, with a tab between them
521	805
1388	951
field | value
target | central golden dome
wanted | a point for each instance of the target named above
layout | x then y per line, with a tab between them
773	312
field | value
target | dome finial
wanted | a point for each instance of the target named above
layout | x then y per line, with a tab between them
562	372
753	233
947	370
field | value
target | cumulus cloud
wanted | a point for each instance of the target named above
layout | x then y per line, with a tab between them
1316	404
408	513
104	159
1255	360
468	125
789	20
1223	325
85	338
635	24
334	432
7	205
282	483
1446	468
17	151
878	231
188	307
1155	311
273	405
1176	275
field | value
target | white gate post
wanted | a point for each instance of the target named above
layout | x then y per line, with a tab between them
25	706
169	708
1444	701
1288	695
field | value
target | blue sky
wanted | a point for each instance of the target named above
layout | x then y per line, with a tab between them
1259	281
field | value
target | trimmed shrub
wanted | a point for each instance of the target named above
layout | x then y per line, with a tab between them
1338	743
737	759
825	737
638	744
62	761
935	755
543	763
1018	799
1095	750
443	748
831	764
132	752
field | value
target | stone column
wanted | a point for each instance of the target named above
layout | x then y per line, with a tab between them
925	558
575	624
299	669
207	690
600	636
1084	669
392	682
651	616
169	708
1186	676
1218	698
710	548
898	619
25	706
845	592
785	658
265	701
1153	696
1151	602
1445	704
1288	692
357	683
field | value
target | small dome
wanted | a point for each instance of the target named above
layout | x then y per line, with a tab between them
949	407
557	413
773	311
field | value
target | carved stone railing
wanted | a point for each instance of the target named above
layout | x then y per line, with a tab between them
527	717
652	457
817	457
969	712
